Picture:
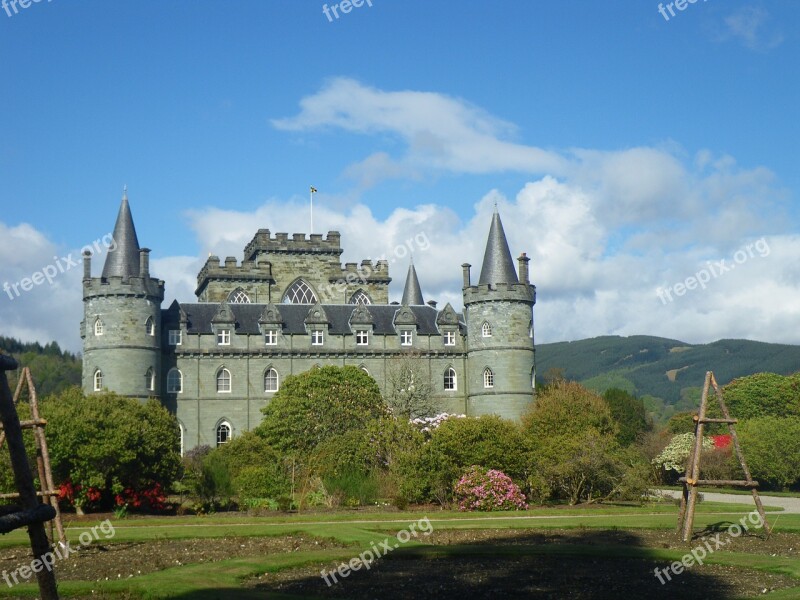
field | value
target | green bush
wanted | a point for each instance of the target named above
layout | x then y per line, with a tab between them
771	447
353	487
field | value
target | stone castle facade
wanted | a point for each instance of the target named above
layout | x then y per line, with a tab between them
289	306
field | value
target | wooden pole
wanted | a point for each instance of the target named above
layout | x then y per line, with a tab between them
693	474
23	479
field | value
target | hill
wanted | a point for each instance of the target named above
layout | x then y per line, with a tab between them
52	369
667	374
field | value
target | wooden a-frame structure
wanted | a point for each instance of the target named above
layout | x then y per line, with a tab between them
692	479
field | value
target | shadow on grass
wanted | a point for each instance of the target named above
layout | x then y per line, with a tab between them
580	564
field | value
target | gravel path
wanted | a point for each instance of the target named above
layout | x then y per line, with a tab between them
789	505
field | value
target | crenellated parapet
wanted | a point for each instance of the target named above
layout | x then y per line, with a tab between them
264	243
519	292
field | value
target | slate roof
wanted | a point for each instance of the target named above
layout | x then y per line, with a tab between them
123	260
412	293
199	316
498	267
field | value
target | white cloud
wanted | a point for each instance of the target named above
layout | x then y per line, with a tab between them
749	25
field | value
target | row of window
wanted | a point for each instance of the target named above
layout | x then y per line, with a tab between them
149	327
317	337
299	292
271	380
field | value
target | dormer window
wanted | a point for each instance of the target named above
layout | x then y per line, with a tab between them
317	337
406	338
449	338
486	329
98	327
224	337
362	337
270	337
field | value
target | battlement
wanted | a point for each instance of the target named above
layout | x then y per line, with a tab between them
117	286
366	271
264	243
520	292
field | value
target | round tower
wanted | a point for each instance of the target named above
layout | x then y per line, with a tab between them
121	326
499	317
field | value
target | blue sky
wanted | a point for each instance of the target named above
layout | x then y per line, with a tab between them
625	151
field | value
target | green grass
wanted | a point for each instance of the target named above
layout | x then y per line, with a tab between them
224	578
738	491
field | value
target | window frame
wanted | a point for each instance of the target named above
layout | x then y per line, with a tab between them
175	334
171	380
221	379
451	375
150	380
99	327
317	337
228	437
97	378
449	338
223	337
488	378
150	327
270	337
486	329
406	337
267	376
362	337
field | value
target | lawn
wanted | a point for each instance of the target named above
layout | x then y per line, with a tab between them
588	551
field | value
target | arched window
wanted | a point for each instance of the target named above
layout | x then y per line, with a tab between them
488	378
299	293
180	433
98	326
223	381
486	329
271	380
360	297
149	327
150	380
450	379
239	296
363	368
223	433
174	381
98	380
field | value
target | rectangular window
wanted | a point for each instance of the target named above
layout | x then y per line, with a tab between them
317	337
224	337
174	337
271	337
449	338
362	338
406	338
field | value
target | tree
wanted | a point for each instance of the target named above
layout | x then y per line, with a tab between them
408	388
771	447
454	446
317	405
629	413
111	443
576	455
763	394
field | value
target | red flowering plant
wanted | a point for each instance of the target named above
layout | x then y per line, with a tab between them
81	497
487	490
149	498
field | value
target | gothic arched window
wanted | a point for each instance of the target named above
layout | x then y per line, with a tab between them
223	433
239	296
360	297
299	293
450	379
488	378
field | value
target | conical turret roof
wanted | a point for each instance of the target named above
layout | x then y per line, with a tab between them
123	260
412	294
498	266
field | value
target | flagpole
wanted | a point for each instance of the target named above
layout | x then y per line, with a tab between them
311	194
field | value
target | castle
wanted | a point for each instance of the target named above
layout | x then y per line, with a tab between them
288	307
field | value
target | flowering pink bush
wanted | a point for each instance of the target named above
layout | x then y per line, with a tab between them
488	489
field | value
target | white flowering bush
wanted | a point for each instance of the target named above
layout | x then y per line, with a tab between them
427	425
674	456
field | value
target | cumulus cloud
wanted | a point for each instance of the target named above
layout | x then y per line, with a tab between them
750	26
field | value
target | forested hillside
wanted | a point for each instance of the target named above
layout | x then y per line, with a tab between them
53	370
667	374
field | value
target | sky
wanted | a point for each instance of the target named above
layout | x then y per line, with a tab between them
643	156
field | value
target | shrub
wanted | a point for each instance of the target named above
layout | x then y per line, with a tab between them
488	490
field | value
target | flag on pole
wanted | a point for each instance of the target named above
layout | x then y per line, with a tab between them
313	190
